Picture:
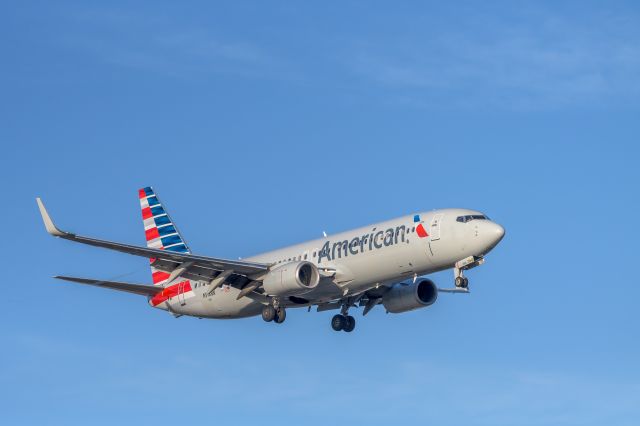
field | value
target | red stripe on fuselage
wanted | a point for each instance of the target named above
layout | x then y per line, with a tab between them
169	292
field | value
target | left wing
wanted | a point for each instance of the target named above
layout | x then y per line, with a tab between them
203	267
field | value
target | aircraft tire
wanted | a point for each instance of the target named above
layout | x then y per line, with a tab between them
281	315
268	313
350	324
338	322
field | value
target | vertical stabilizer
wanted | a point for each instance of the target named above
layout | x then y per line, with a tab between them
160	231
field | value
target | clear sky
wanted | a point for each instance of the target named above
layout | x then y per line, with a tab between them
262	124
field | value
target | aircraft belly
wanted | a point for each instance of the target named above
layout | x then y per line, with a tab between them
222	304
325	290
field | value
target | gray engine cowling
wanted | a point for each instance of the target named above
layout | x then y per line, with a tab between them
406	297
291	279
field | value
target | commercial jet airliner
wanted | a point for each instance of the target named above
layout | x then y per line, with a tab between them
379	264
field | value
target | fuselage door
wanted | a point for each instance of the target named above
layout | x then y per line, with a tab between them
435	227
181	288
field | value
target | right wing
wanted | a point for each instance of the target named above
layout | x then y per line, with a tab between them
200	267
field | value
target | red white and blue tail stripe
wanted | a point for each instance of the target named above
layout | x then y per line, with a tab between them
159	229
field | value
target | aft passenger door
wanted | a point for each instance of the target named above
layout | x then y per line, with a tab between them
181	289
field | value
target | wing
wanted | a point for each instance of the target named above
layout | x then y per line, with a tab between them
142	289
179	264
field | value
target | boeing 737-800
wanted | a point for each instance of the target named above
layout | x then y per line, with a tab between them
380	264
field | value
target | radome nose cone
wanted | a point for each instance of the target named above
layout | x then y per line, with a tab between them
499	232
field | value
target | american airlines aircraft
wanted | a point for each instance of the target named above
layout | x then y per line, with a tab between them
378	264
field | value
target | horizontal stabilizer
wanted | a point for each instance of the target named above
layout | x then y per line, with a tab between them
143	289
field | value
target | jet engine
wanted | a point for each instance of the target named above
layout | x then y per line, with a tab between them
406	297
291	279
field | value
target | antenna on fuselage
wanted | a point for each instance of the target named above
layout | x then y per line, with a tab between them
324	234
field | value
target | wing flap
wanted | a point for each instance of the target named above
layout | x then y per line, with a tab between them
142	289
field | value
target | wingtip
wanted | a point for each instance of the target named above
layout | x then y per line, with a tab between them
48	223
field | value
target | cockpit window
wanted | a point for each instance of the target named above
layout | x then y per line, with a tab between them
470	217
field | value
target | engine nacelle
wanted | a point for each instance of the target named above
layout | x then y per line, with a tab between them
291	279
407	297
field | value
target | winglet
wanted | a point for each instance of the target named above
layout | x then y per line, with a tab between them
48	223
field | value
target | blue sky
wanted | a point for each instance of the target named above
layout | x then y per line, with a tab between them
262	124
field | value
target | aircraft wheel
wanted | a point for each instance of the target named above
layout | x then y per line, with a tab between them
350	324
462	282
338	322
281	315
268	313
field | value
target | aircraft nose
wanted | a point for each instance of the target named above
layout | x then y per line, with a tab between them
490	234
495	234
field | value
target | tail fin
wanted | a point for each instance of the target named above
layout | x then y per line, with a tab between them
159	230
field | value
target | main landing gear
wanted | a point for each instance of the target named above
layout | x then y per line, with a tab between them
343	321
277	315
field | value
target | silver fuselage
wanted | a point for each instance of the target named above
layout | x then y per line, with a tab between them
358	260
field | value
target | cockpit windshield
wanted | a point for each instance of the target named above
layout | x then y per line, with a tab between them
470	217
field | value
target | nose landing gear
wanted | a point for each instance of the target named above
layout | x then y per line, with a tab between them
462	282
462	265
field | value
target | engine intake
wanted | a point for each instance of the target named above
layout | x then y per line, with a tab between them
291	279
406	297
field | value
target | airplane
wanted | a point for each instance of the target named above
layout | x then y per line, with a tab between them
379	264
